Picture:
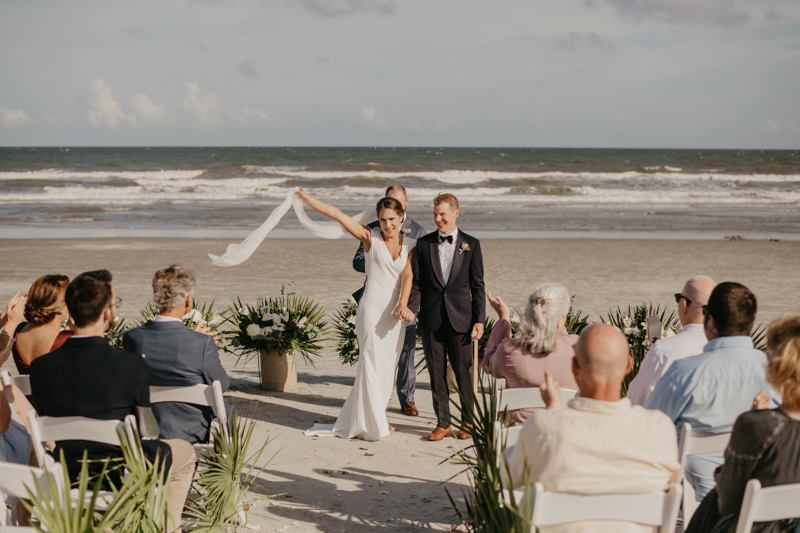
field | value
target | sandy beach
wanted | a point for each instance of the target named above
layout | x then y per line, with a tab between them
336	485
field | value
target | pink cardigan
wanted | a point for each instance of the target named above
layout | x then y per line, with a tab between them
521	369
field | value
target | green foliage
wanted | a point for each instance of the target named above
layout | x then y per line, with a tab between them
114	335
759	336
226	475
576	320
483	467
344	325
289	322
631	322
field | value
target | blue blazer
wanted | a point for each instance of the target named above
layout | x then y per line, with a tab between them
178	356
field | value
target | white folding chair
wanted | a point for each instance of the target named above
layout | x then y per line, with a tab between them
23	383
504	438
652	509
58	428
780	502
696	443
527	398
13	480
205	395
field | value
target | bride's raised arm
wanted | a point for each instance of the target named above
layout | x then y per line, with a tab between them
359	231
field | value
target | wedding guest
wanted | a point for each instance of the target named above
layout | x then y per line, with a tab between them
690	341
600	443
177	356
15	439
542	343
86	377
710	390
46	313
765	443
406	378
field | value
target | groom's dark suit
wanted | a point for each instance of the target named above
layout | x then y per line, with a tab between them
447	313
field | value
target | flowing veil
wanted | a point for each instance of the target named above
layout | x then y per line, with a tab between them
239	253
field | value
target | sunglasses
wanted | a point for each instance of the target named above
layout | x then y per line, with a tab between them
678	297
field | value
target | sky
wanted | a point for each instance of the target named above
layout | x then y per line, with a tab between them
547	73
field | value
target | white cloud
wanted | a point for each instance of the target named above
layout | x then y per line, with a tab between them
369	116
204	105
103	107
13	118
248	115
147	109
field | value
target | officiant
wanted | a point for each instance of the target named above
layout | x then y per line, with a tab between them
406	374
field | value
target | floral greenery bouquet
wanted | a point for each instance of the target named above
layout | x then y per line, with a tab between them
289	322
344	325
631	323
200	313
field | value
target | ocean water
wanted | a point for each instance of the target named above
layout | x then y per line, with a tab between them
224	191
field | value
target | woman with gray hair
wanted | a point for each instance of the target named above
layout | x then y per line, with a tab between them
542	343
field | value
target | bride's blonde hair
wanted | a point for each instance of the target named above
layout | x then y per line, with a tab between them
538	329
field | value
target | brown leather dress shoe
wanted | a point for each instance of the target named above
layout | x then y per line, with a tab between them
463	434
440	433
410	409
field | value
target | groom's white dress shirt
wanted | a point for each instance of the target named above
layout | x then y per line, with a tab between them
661	355
447	251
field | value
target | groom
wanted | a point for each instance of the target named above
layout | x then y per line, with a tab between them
449	292
406	373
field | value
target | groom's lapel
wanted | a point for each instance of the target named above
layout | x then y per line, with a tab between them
458	258
437	265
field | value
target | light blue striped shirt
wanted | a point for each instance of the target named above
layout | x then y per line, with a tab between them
709	391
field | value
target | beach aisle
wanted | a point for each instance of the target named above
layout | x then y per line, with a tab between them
399	487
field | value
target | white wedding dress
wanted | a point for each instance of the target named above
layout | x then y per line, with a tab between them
380	340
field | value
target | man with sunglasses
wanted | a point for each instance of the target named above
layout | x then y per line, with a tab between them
710	390
688	342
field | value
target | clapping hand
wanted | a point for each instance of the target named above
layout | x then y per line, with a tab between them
551	392
14	313
207	331
499	306
761	401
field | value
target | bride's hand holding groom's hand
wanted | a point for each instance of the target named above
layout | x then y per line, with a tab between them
405	314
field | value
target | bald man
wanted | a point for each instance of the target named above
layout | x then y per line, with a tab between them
690	341
599	443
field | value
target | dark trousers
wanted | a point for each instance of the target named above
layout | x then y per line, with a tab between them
439	346
406	373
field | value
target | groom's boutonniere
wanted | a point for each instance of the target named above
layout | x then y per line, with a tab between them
405	231
464	248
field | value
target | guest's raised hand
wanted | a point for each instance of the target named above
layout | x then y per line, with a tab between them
551	392
207	331
761	401
499	306
15	313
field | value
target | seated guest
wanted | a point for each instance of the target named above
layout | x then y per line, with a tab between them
46	313
177	356
541	344
15	439
710	390
599	444
86	377
765	444
688	342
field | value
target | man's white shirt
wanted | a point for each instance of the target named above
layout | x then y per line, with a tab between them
447	251
661	355
162	318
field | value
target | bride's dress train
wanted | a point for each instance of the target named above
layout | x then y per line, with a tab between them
380	340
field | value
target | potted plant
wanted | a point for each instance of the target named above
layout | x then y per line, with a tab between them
277	330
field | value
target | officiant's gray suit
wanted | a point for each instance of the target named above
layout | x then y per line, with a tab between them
178	356
406	373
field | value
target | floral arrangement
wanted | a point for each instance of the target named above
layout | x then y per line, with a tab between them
289	322
114	335
344	325
631	322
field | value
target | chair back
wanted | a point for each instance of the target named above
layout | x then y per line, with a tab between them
780	502
695	443
13	482
527	398
206	395
23	383
652	509
57	428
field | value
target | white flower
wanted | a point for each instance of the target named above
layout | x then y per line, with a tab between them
194	315
626	321
253	331
643	325
285	316
265	331
278	327
632	331
301	324
351	320
215	320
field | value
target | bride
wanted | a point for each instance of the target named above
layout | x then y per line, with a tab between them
379	326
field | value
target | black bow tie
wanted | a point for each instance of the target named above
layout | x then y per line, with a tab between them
449	239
